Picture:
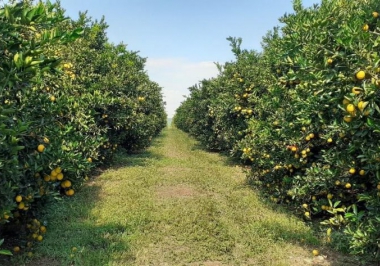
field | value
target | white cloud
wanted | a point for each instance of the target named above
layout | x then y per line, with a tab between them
176	75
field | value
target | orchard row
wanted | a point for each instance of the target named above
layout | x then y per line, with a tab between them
69	99
303	115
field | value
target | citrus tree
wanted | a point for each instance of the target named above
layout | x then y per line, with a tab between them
69	100
308	116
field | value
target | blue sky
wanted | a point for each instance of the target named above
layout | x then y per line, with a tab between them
182	39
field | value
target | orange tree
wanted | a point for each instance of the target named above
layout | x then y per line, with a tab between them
311	139
69	99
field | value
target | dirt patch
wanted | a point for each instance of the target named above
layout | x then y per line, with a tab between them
176	191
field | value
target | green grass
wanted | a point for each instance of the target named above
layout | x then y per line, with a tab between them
173	204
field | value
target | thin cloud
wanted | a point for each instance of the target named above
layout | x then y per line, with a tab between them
176	75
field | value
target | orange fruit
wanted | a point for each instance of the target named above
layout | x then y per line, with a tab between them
350	108
375	14
362	172
315	252
348	185
352	171
356	90
18	198
41	148
53	173
360	75
347	119
70	192
43	229
58	170
21	205
89	160
329	61
67	183
60	176
16	249
365	27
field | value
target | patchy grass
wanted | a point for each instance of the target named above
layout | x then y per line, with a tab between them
174	204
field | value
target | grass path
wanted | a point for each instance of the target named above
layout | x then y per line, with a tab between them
173	204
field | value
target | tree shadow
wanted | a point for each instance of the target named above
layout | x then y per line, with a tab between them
141	157
75	237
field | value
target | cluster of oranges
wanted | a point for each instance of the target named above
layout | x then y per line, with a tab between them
35	230
56	175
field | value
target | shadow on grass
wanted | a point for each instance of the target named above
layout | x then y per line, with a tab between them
282	232
227	159
141	157
75	237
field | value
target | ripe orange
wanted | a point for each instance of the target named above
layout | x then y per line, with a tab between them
89	160
356	90
70	192
352	171
350	108
365	27
43	229
66	184
53	173
329	61
345	101
348	185
16	249
21	205
315	252
60	176
40	238
347	119
360	75
329	140
362	172
375	14
52	98
58	170
41	148
18	198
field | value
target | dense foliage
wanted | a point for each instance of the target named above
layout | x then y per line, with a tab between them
69	99
304	116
